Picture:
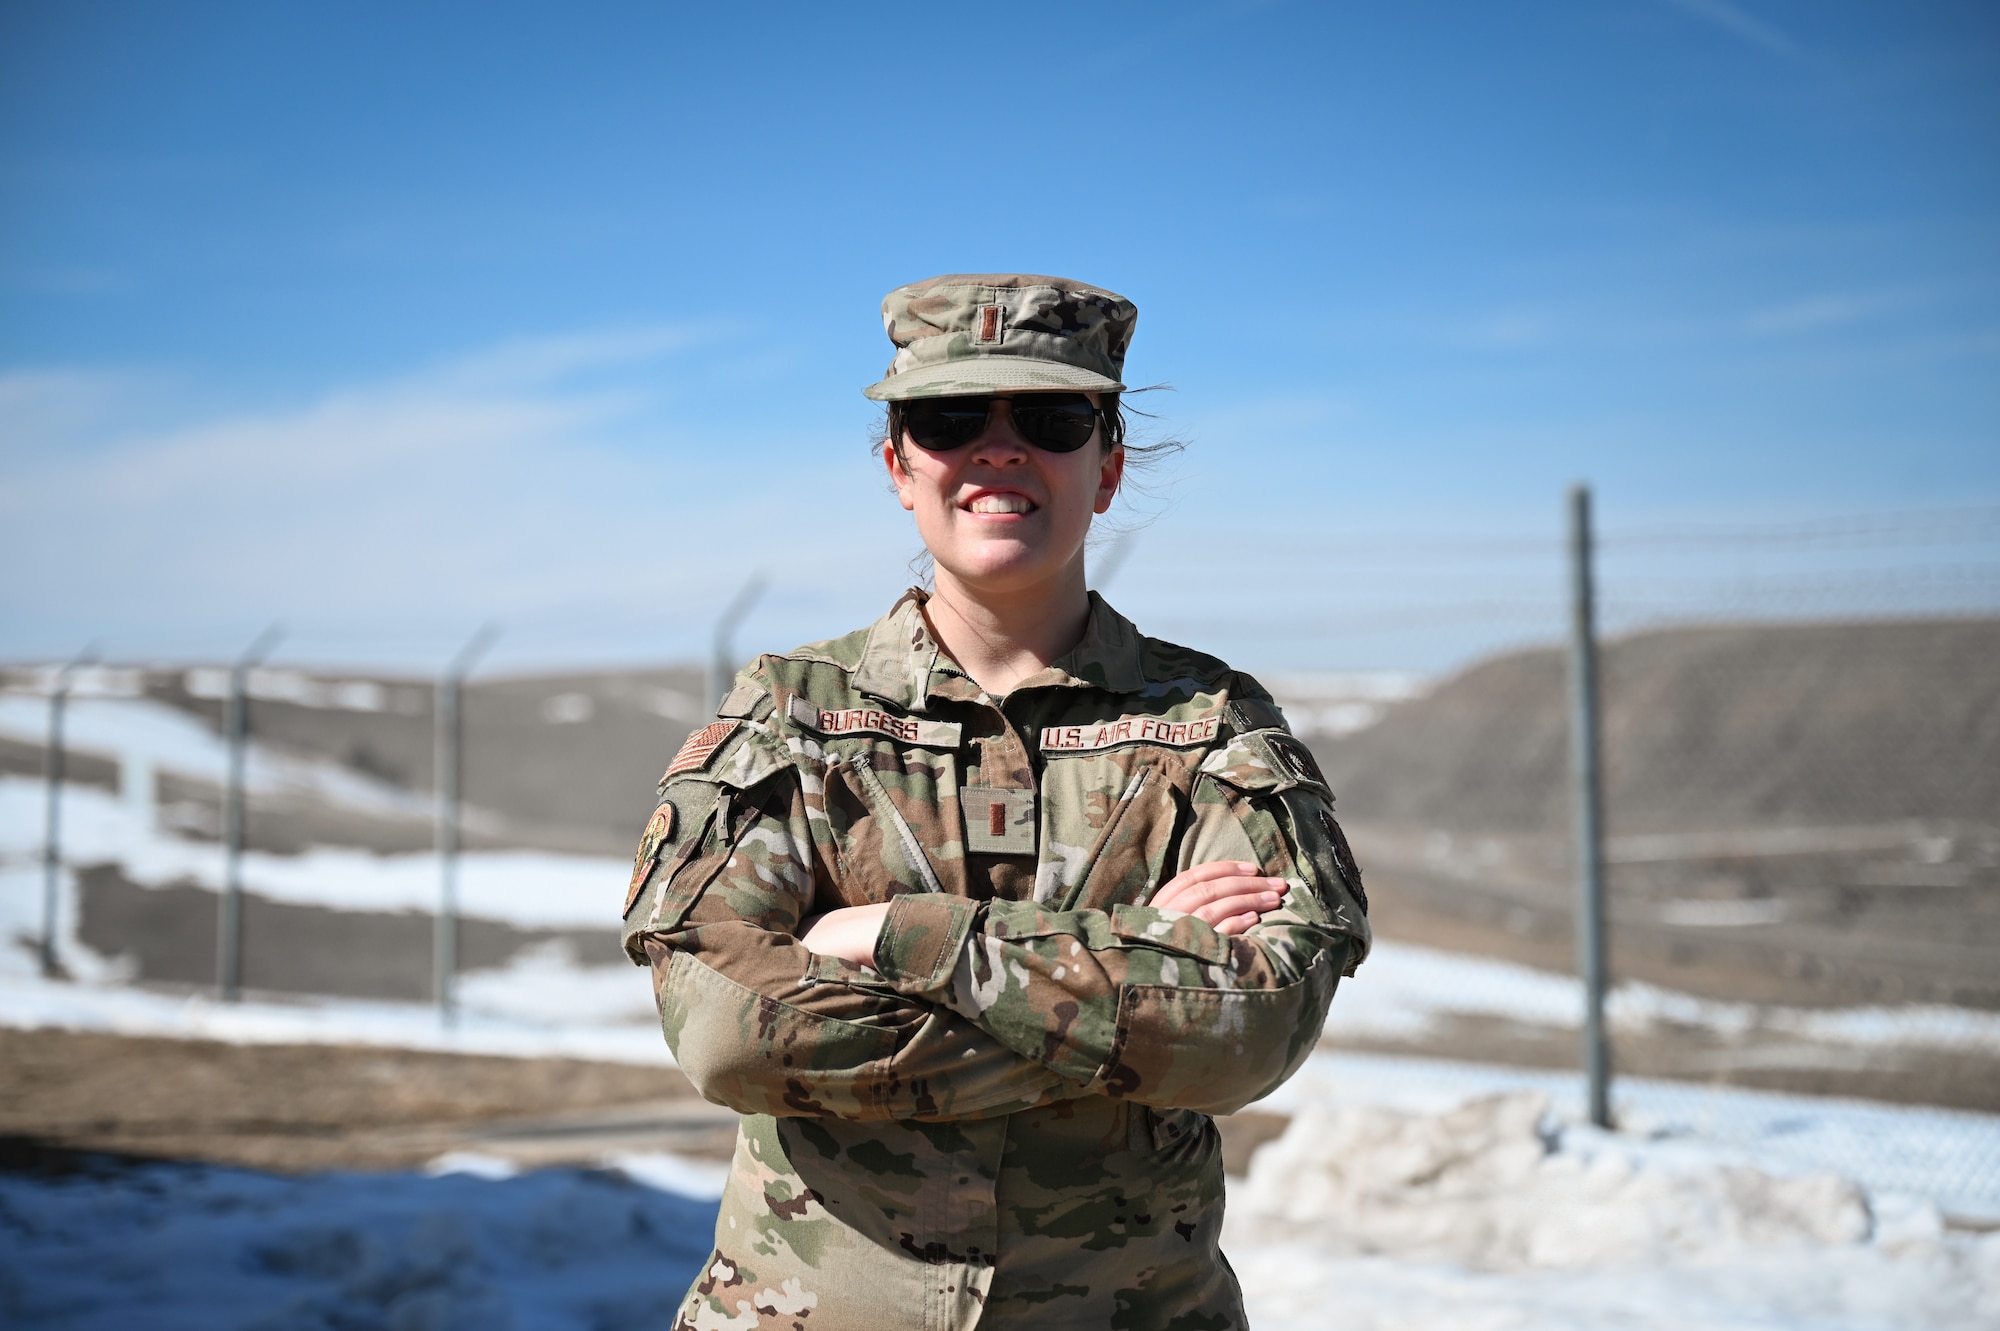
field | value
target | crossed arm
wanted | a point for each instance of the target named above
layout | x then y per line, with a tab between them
941	1007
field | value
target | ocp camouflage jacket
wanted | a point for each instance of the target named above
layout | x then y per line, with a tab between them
1004	1123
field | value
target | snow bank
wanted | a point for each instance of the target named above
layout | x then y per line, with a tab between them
1947	1155
1490	1215
1485	1185
193	1248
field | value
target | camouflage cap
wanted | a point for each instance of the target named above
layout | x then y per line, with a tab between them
987	332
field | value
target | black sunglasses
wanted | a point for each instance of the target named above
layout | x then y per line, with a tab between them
1054	422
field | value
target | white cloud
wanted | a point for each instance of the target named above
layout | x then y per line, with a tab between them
539	482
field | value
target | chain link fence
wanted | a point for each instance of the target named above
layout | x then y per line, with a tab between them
1803	818
1803	835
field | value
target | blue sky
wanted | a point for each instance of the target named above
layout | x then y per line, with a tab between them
385	320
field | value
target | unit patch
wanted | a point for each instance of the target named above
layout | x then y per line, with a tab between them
873	721
700	747
1129	730
1343	860
998	822
659	831
1292	752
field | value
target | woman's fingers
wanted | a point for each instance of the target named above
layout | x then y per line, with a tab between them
1195	890
1237	924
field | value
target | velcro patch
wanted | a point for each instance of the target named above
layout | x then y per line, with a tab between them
700	747
659	831
998	822
1292	751
1130	730
873	721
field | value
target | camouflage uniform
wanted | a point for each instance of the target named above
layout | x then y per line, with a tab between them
1004	1123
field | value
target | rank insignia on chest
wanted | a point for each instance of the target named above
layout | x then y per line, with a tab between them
998	822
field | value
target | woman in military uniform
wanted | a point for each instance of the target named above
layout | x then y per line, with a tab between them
978	913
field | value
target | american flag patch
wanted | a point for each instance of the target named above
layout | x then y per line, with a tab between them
700	747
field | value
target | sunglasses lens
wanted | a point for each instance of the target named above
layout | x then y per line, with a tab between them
1058	422
940	424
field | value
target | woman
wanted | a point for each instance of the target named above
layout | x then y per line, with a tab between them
978	913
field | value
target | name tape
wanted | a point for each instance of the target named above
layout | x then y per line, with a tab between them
872	721
1129	730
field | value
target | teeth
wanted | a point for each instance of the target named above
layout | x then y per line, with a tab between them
1001	504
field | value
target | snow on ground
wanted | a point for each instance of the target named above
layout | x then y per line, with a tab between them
1490	1216
1493	1215
535	889
1402	990
146	737
514	1027
200	1248
1949	1156
1388	1204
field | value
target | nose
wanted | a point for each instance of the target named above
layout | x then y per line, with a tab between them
1000	443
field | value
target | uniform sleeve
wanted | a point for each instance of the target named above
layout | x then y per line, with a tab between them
1155	1005
761	1024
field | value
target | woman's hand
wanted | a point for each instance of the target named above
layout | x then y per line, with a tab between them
847	932
1226	894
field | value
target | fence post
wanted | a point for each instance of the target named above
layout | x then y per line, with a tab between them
1587	771
229	907
448	733
52	769
721	659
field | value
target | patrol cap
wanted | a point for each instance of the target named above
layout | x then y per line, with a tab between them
967	333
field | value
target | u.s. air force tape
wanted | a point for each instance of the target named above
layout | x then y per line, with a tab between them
1129	730
836	723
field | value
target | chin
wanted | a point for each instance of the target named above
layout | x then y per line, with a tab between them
1001	570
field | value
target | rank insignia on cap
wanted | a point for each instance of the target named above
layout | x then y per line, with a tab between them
659	831
700	747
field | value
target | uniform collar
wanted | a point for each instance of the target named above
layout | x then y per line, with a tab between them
903	664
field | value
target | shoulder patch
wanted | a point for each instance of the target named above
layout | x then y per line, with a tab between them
1246	714
699	748
1293	753
1130	730
659	831
835	723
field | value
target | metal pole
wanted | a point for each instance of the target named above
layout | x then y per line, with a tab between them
52	768
449	735
722	658
229	909
1586	766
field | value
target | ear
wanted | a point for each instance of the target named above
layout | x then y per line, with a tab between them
906	494
1109	474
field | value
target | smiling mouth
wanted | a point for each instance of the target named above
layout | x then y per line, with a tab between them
1001	504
